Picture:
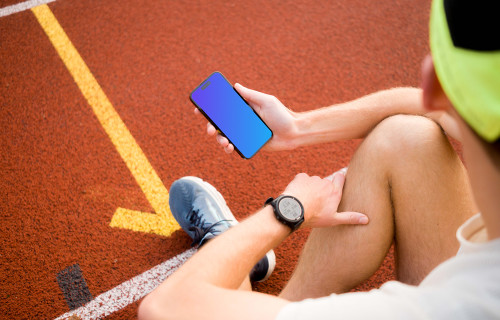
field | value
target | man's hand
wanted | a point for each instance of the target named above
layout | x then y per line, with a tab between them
279	119
321	198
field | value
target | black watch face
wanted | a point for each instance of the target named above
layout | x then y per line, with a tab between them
290	209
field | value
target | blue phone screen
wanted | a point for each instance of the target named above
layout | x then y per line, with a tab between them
231	114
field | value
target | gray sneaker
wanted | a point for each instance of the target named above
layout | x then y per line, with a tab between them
203	214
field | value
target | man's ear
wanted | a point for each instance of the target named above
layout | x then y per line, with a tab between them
434	98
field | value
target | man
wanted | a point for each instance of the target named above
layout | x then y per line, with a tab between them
405	177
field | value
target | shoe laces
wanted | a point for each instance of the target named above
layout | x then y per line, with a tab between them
200	228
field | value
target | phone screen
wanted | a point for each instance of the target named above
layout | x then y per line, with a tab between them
230	114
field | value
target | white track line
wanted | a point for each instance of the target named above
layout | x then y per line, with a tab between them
130	291
134	289
26	5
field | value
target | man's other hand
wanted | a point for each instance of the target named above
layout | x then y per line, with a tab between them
280	119
321	198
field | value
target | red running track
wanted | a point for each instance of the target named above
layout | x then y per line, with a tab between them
61	177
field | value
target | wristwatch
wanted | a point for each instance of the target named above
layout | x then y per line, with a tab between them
288	210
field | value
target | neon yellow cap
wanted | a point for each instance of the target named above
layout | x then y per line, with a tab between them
467	62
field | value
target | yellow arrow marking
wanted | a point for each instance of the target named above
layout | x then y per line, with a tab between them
162	222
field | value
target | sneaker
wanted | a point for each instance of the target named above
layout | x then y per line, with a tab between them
199	209
203	214
263	269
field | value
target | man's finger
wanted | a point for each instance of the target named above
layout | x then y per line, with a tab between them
343	171
222	140
211	129
252	96
229	148
351	217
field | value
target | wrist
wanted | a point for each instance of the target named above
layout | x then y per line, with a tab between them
276	228
301	124
313	127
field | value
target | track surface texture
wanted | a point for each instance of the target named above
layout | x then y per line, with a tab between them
62	178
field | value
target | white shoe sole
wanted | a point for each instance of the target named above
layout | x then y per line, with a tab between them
271	259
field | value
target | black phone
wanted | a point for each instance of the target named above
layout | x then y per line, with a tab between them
229	113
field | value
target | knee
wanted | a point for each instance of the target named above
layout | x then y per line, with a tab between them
408	136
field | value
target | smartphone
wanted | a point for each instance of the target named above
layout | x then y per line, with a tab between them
229	113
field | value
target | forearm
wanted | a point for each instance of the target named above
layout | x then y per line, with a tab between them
223	263
228	259
355	119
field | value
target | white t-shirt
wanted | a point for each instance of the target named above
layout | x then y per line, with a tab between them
466	286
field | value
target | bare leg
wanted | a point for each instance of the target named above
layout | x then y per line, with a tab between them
407	178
